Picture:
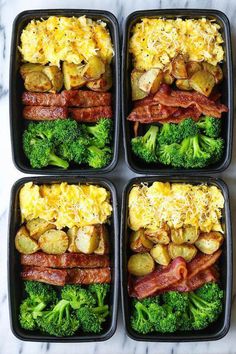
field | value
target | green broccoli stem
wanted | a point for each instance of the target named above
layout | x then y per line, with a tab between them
38	309
151	134
100	309
199	302
57	161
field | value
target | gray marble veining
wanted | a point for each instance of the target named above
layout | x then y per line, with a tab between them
119	343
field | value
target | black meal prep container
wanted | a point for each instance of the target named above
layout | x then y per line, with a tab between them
218	329
15	284
140	166
16	88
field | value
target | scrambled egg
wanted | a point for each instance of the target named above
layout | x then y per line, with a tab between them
65	205
155	42
177	204
69	39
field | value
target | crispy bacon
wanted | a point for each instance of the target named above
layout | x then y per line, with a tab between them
177	98
201	262
65	260
92	114
160	279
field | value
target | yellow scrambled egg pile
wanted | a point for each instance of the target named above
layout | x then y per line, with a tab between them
68	39
65	205
155	42
178	204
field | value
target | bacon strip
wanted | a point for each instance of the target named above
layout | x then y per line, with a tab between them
201	262
92	114
45	275
39	113
66	260
161	278
89	276
177	98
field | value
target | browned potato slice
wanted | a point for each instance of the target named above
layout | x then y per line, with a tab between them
179	70
136	241
209	242
203	82
104	83
192	67
159	236
54	242
137	93
56	77
216	71
73	75
188	252
37	227
183	84
168	78
72	234
141	264
103	246
25	69
87	239
151	80
188	234
37	81
24	244
160	254
94	68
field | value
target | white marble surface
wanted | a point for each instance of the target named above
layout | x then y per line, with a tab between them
119	343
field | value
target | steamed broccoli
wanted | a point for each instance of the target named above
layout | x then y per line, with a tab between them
100	291
77	296
60	320
170	133
76	150
140	319
210	292
100	134
99	158
176	300
187	128
210	126
196	156
215	147
145	146
167	154
163	318
91	319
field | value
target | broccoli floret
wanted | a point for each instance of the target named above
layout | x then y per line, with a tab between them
210	292
151	300
187	128
100	291
169	134
215	147
140	319
40	152
210	126
99	158
40	295
145	146
176	300
164	319
167	154
60	320
185	320
77	296
76	150
91	319
101	133
203	312
196	156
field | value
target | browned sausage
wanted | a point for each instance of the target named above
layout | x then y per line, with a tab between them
39	113
92	114
45	275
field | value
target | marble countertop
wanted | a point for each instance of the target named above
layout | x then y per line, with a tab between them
119	343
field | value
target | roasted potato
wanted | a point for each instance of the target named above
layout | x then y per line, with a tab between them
159	236
216	71
179	70
73	75
188	234
168	78
54	242
37	81
25	69
94	68
56	77
72	234
203	82
183	84
192	67
37	227
24	244
104	83
139	242
141	264
160	254
151	80
87	240
209	242
188	252
137	93
103	246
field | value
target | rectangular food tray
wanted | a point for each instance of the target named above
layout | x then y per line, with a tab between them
18	124
15	288
136	164
218	329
